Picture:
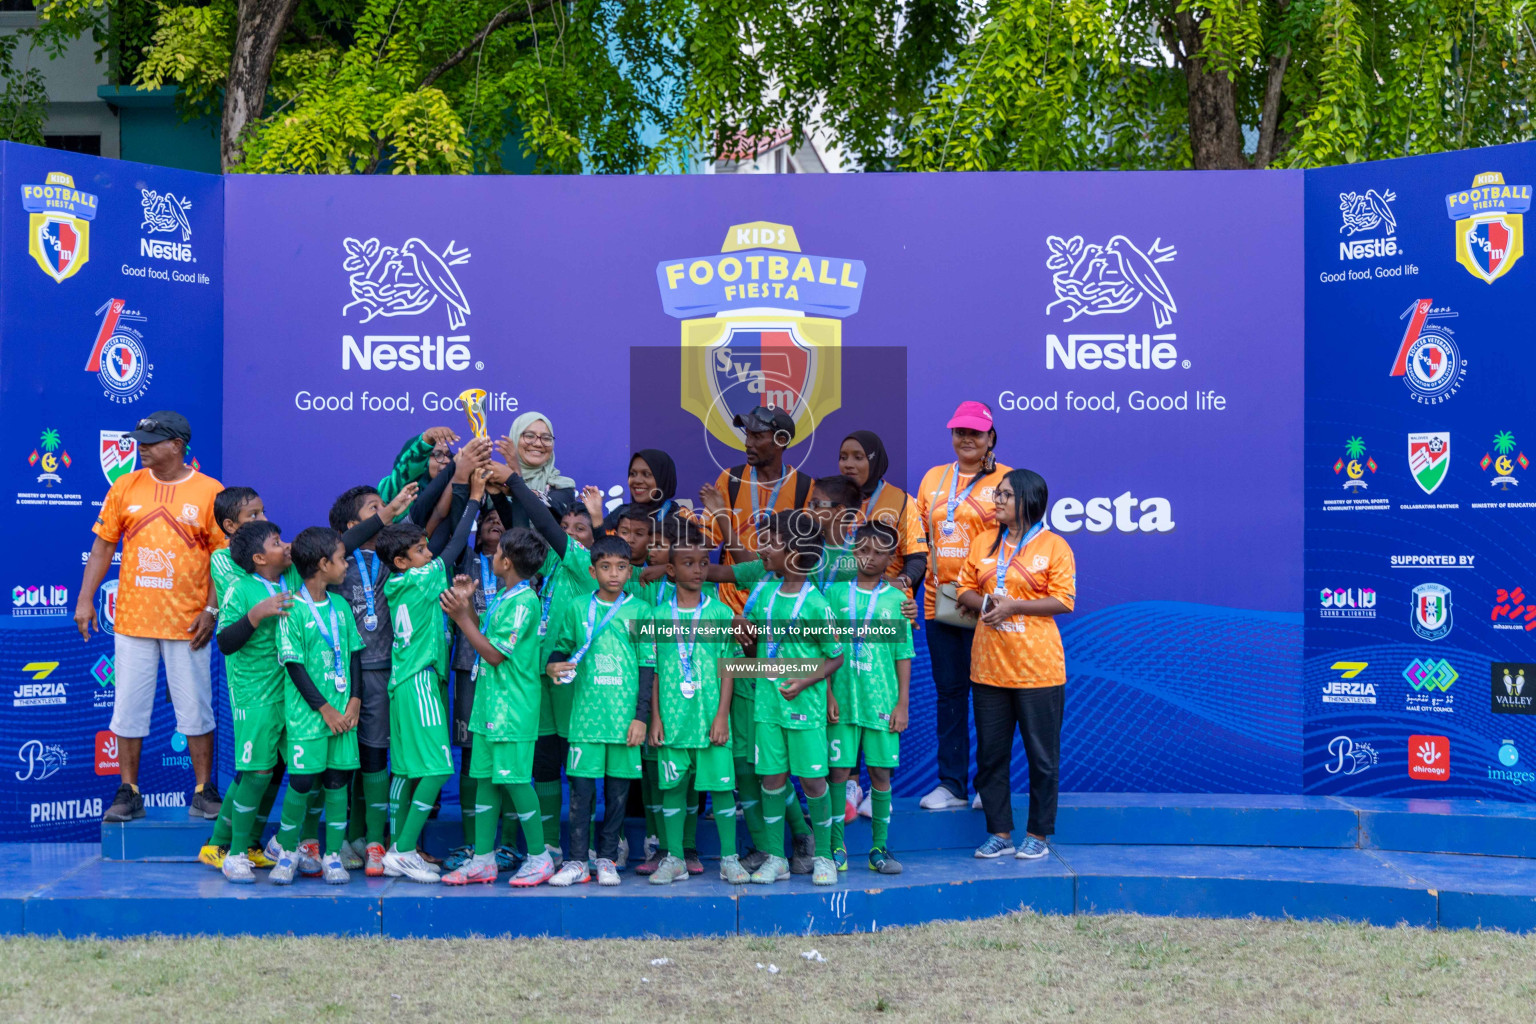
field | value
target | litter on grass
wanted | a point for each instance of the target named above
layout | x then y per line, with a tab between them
814	956
661	961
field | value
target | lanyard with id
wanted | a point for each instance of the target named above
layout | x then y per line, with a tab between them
685	650
869	613
594	628
773	496
1004	559
872	502
487	581
794	615
948	529
332	638
490	614
365	569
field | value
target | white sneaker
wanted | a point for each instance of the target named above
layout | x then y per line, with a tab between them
851	800
354	854
622	860
867	805
237	868
335	873
410	865
570	873
556	854
651	845
941	799
283	865
976	802
607	872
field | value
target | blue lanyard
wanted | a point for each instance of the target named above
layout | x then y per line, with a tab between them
490	612
953	503
668	589
869	613
1004	560
666	507
752	597
280	587
365	572
487	581
685	651
872	501
773	496
794	615
332	638
594	627
828	571
547	595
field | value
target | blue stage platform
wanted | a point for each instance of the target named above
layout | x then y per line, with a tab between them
1454	864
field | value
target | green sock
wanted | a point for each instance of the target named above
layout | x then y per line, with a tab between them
549	812
773	821
376	806
650	792
487	815
221	824
880	817
837	832
244	798
357	809
467	787
673	811
422	799
312	815
690	817
399	801
525	803
798	825
750	789
821	822
725	823
336	817
295	804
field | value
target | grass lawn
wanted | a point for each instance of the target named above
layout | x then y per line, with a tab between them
1016	968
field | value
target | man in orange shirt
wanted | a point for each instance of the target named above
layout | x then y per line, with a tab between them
163	514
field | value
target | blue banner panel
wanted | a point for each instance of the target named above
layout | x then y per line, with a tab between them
1420	516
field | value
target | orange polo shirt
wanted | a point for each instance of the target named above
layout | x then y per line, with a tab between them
169	534
741	514
973	517
897	509
1024	651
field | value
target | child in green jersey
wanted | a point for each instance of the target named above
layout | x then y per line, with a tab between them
418	712
792	620
255	601
870	690
233	507
505	713
835	504
611	668
691	709
319	645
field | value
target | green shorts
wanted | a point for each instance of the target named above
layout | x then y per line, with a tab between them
714	768
800	752
258	737
743	728
596	760
555	709
504	762
881	747
418	728
310	757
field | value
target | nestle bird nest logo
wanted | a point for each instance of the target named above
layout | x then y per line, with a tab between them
1091	279
405	280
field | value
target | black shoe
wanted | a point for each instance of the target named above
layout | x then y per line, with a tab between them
205	802
126	805
753	859
805	852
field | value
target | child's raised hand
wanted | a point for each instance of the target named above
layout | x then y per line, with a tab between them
400	502
278	604
709	494
592	498
477	482
652	573
636	733
434	436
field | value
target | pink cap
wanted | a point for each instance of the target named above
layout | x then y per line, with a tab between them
972	415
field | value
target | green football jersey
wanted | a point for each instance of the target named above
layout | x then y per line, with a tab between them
507	695
809	708
225	572
302	638
866	687
256	677
689	700
838	565
421	635
644	591
608	675
567	581
666	588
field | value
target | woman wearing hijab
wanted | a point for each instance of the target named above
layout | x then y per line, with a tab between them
652	486
530	448
862	459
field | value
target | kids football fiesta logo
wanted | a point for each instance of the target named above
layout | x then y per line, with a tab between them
59	225
1490	226
749	337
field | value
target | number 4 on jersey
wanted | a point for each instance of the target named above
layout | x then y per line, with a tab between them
402	625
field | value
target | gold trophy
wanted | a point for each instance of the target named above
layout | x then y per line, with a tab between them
474	410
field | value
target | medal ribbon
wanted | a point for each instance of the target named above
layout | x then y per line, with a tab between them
365	571
869	613
685	653
1004	562
332	637
805	589
594	627
953	503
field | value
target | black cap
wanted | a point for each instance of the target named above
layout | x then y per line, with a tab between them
164	425
765	419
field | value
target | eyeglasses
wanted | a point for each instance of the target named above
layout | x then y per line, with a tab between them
438	456
1002	495
543	440
823	504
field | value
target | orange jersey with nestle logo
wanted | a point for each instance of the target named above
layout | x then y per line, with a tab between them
898	510
973	516
1025	651
168	533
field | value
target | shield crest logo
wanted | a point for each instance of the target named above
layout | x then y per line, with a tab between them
119	454
1488	246
1431	610
731	365
59	243
1429	457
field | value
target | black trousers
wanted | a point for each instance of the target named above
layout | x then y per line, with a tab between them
583	799
1036	714
949	652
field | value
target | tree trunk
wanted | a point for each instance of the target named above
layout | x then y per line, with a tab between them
261	25
1215	135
